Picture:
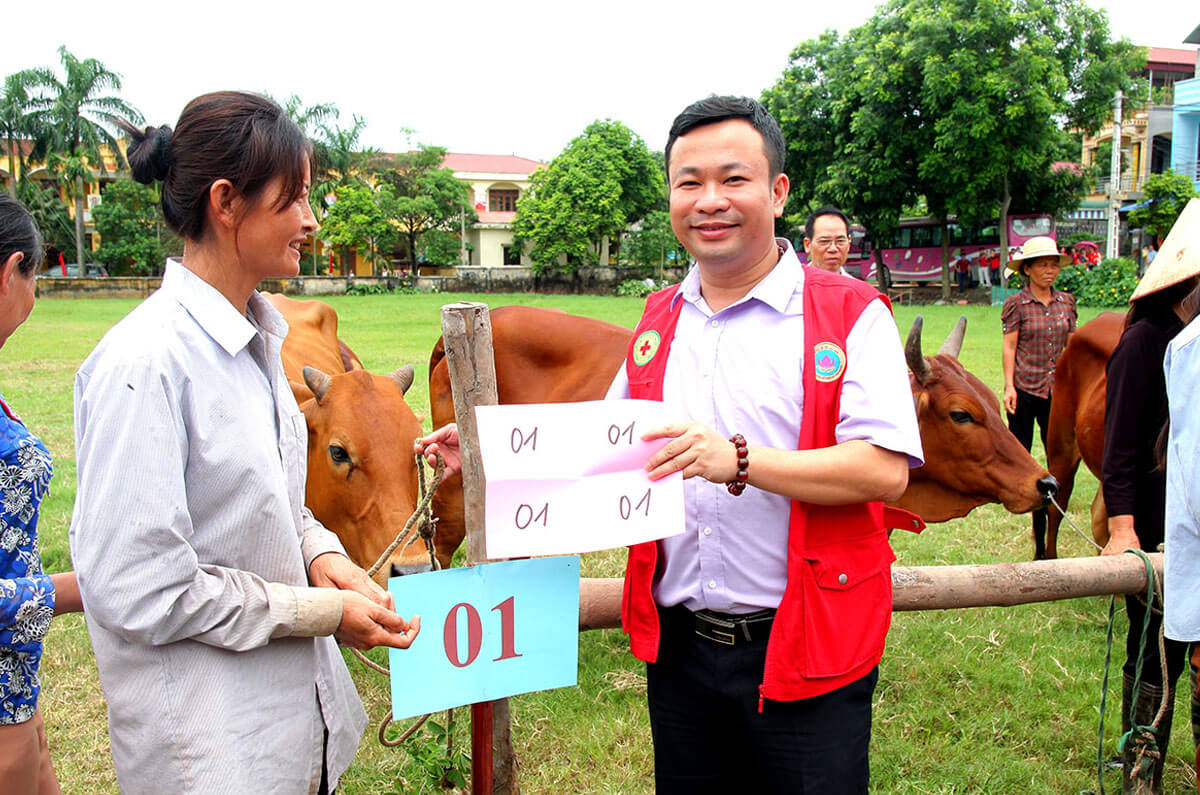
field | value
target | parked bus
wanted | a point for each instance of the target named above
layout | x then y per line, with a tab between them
914	254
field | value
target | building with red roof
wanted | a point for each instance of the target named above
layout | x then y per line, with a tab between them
497	183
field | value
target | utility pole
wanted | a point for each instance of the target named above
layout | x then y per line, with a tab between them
1114	184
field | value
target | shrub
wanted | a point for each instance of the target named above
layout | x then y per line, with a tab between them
1108	285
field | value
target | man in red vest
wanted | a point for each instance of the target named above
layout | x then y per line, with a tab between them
763	624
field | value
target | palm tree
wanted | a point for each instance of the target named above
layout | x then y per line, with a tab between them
79	115
18	103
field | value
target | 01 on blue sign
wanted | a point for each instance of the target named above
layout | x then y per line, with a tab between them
487	632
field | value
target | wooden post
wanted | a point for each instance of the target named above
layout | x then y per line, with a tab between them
467	331
950	587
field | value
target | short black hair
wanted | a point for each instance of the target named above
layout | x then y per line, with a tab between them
714	109
826	210
19	233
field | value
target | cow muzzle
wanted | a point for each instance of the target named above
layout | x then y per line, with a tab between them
404	569
1048	488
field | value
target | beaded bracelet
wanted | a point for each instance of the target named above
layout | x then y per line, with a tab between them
738	485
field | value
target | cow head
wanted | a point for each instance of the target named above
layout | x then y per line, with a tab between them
971	456
362	479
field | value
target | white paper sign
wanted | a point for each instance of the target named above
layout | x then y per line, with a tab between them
564	478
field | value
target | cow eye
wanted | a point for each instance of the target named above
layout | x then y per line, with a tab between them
339	454
961	417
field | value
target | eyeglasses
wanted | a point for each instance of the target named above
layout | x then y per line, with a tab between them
825	242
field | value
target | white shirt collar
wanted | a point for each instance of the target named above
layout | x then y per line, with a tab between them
212	311
775	290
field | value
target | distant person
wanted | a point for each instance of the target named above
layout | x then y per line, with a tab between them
827	239
962	270
994	267
1037	321
985	273
28	596
1151	253
213	595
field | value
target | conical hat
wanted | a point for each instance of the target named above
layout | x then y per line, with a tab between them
1179	256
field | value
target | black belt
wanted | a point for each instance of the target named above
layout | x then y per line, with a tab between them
729	630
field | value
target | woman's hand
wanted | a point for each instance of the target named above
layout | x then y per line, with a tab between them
694	449
333	570
66	593
1121	535
445	441
366	624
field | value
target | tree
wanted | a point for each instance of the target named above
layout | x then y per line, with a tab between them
18	104
78	117
953	100
428	197
1166	195
603	181
652	244
132	238
49	212
363	218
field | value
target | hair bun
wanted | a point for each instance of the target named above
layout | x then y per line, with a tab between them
149	153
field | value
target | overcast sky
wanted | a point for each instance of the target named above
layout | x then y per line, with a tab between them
517	77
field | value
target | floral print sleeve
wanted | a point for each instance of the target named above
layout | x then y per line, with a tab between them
26	593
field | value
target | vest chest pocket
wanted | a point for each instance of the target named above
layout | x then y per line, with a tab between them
847	591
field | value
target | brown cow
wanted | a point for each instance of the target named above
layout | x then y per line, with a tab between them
542	356
1076	428
545	356
971	457
362	479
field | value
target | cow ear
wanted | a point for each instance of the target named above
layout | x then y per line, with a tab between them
318	382
403	377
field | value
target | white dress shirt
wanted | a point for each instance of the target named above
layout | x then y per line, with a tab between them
191	543
740	370
1181	558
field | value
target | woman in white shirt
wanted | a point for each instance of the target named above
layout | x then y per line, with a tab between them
212	593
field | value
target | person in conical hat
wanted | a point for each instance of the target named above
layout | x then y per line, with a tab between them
1179	258
1135	487
1037	322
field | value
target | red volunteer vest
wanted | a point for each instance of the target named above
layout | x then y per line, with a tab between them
836	609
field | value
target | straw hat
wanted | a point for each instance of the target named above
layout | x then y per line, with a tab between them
1038	247
1178	257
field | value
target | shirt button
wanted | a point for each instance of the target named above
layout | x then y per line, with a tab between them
712	583
843	579
716	323
708	531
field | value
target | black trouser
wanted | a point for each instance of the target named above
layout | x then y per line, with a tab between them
1031	408
1177	651
709	736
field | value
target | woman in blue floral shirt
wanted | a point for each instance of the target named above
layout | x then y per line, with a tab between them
28	597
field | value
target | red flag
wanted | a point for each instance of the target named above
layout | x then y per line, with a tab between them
62	263
331	263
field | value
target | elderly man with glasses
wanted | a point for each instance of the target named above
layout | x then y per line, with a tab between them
827	239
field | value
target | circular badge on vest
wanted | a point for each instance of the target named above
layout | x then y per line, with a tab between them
829	361
645	346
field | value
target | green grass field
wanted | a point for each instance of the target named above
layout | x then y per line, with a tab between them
999	700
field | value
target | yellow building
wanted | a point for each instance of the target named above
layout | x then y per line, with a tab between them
496	183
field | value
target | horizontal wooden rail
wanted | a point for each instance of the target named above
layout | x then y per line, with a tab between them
949	587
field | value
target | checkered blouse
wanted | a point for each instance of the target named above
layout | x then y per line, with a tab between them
1042	332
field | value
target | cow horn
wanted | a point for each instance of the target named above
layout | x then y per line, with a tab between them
953	344
403	377
318	382
912	352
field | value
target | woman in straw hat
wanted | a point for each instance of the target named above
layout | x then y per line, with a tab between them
1135	493
1037	322
1180	259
